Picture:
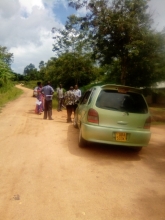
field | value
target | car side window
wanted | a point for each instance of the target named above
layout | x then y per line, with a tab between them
92	94
85	97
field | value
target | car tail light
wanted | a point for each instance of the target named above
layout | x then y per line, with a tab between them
93	116
147	123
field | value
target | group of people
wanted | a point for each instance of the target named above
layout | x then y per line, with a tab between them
68	100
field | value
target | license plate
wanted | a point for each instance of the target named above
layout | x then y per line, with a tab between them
121	136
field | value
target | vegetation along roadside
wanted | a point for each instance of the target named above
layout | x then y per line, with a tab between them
9	95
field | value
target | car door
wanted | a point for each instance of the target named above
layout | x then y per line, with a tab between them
83	107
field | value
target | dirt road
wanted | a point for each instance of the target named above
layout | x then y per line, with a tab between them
44	175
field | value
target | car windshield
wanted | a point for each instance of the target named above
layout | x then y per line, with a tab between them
125	102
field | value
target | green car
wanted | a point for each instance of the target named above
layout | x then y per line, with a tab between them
115	115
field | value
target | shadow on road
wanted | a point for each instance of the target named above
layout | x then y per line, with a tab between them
150	203
31	111
152	155
98	152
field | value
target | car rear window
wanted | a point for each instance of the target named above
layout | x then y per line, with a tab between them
125	102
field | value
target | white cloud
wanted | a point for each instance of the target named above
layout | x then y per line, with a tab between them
9	8
31	53
26	31
28	5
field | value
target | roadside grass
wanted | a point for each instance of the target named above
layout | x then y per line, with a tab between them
54	102
8	95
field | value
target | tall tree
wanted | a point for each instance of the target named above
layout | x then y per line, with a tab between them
41	64
71	39
72	47
70	70
30	72
42	70
5	73
121	31
5	70
5	56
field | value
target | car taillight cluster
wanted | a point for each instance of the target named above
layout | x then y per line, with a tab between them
93	116
147	124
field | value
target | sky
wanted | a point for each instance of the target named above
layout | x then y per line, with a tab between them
25	27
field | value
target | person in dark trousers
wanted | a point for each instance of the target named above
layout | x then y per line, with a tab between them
77	93
69	102
60	97
48	94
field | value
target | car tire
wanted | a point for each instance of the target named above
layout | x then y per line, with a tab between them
81	142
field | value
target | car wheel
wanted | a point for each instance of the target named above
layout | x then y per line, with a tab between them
81	142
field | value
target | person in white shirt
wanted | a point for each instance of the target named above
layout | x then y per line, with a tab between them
69	102
60	97
77	93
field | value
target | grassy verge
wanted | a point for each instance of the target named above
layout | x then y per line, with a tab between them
55	102
11	94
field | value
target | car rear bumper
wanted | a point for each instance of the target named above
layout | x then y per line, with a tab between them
135	138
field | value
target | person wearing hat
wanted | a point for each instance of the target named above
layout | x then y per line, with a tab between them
69	102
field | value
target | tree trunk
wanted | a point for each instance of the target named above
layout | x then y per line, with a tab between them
123	71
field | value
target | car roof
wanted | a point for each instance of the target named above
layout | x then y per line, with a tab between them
120	88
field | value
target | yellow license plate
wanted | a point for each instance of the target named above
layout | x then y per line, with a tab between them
121	136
